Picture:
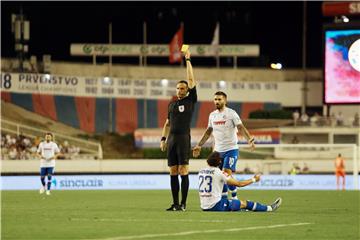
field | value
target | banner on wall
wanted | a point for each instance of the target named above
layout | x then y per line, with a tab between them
106	87
161	50
160	181
149	138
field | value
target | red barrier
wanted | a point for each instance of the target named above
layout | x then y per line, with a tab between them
85	108
249	107
126	115
162	106
44	105
5	96
205	109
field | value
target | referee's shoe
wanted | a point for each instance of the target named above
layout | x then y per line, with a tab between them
174	207
182	207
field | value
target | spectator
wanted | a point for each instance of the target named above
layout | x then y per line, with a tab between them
296	116
304	119
305	169
2	141
13	153
66	147
33	150
314	120
295	169
37	141
356	122
295	140
24	148
332	120
26	142
23	155
339	119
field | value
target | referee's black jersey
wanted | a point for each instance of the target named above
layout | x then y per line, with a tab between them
180	113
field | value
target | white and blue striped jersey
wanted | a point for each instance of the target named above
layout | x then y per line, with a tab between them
224	125
47	150
211	183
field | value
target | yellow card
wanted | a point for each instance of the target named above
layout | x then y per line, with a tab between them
184	48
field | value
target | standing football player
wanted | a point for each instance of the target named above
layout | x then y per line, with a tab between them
224	123
47	151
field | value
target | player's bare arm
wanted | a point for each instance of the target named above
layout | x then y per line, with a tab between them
204	138
233	181
165	134
189	70
38	155
244	132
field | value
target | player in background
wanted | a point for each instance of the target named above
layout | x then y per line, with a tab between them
340	171
224	123
211	183
47	151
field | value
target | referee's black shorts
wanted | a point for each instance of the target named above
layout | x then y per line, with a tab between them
178	149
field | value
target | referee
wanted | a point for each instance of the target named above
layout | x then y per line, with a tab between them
176	136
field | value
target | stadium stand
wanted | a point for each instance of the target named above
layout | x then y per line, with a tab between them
24	148
91	114
20	123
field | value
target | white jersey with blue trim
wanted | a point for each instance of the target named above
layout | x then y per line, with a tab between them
47	150
224	125
211	183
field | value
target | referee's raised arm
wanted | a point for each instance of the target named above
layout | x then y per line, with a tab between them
189	70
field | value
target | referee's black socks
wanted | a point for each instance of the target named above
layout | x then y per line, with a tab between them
174	182
184	188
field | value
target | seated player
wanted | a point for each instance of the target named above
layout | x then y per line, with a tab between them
211	183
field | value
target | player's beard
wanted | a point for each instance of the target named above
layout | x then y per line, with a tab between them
219	106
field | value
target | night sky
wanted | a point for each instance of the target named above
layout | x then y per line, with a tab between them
275	26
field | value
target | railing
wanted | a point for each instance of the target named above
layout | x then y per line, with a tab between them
87	146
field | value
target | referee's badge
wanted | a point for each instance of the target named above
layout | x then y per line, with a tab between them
181	108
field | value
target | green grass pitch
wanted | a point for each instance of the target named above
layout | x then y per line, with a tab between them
120	214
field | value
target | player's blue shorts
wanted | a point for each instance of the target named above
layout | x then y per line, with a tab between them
46	171
225	205
229	159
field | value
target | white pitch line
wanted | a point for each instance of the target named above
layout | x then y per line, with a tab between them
200	232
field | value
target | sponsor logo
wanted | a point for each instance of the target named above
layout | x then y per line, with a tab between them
219	122
81	183
87	49
276	183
